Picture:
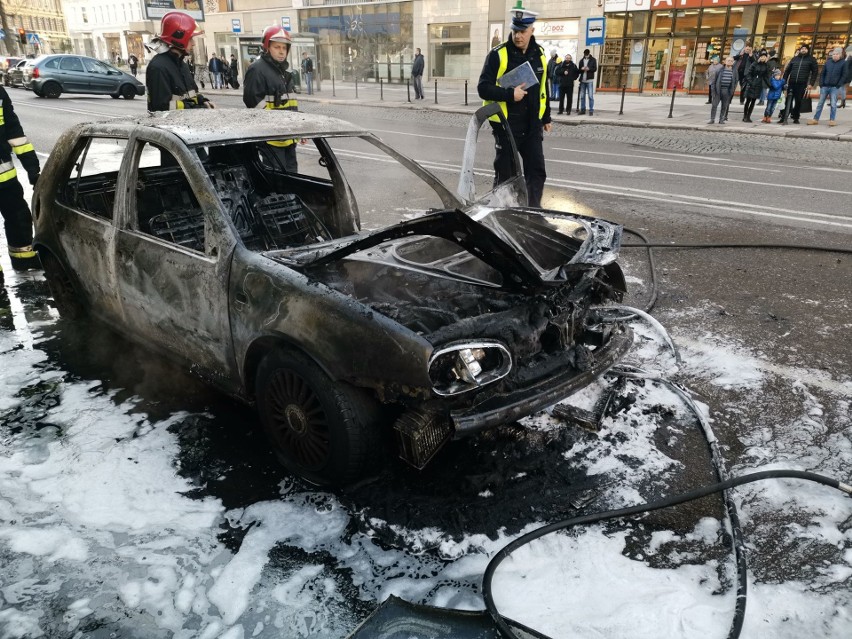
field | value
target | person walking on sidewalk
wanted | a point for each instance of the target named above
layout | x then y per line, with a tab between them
526	109
800	75
551	69
567	74
723	90
216	68
756	80
17	220
776	90
588	65
832	78
133	63
744	60
234	72
417	67
308	72
710	75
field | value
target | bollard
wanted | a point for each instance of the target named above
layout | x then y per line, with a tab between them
381	89
465	92
623	91
578	98
671	106
436	92
333	94
356	86
408	89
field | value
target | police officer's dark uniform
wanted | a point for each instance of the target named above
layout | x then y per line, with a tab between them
526	117
269	85
168	78
16	213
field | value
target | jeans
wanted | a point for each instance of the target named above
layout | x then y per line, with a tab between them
418	87
554	92
587	88
309	82
831	94
217	80
770	107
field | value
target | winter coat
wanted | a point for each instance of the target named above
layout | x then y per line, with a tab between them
168	79
848	77
418	65
269	84
756	79
567	73
742	64
215	65
722	91
711	72
776	88
802	69
833	73
592	64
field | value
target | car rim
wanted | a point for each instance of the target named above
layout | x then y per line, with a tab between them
299	423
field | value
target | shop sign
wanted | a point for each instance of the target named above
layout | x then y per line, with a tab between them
155	9
626	5
557	28
688	4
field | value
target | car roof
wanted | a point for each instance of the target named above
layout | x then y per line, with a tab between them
216	126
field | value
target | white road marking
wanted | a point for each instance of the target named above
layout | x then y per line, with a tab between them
769	184
609	167
710	161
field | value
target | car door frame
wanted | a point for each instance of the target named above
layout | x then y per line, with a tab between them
183	312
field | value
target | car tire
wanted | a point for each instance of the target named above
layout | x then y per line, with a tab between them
128	92
323	431
38	93
51	90
66	297
115	96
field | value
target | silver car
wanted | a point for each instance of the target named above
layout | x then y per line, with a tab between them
52	75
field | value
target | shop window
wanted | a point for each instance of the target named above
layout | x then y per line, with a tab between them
687	22
713	21
741	22
637	23
449	46
662	24
615	25
802	18
835	18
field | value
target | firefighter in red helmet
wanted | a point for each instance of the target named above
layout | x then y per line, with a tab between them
269	85
167	77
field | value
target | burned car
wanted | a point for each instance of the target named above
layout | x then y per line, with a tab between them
352	318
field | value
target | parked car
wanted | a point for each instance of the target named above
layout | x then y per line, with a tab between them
53	75
184	232
6	63
14	76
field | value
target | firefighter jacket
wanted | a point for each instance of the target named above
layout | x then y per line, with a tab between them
168	80
12	139
268	85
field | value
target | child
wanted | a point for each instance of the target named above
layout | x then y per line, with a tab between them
777	86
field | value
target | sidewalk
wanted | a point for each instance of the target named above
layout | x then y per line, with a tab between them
690	112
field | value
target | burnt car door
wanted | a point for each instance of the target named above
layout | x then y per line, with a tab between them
172	258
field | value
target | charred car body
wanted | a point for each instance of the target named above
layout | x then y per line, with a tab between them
184	232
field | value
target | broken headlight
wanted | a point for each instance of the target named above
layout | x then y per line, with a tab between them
463	366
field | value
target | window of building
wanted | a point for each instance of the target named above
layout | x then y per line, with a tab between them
615	25
686	22
713	20
449	46
835	17
637	23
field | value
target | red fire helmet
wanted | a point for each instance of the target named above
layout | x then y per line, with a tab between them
276	34
178	28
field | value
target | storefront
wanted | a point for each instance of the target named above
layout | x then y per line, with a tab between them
658	45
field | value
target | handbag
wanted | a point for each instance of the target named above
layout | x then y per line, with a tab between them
806	105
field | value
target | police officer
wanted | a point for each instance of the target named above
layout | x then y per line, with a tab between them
526	108
269	85
167	78
16	213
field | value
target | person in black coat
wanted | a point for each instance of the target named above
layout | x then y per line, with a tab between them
800	74
567	72
417	68
743	61
756	80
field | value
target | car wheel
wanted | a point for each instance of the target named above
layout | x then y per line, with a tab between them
128	92
51	90
38	93
323	431
115	96
66	298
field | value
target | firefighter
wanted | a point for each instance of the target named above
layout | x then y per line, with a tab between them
16	213
269	85
167	77
526	108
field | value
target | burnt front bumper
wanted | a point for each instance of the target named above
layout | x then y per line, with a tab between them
501	409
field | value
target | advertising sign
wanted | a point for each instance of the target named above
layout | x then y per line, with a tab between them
595	31
155	9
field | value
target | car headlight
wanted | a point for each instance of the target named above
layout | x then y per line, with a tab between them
464	366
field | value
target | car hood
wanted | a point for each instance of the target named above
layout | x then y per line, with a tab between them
529	249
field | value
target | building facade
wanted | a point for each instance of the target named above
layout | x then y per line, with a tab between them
658	45
41	24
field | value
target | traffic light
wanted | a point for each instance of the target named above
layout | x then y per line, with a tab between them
22	35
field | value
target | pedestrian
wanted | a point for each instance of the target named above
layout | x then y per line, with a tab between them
167	78
133	63
17	219
773	64
800	75
308	72
551	69
215	67
744	60
848	79
757	79
268	84
526	108
710	75
234	72
588	65
723	90
417	67
832	78
567	74
762	97
776	90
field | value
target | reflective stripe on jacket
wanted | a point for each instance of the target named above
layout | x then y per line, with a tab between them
503	57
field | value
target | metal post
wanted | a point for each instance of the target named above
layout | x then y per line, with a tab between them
671	106
579	90
381	89
623	91
465	92
408	89
356	85
333	94
436	91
